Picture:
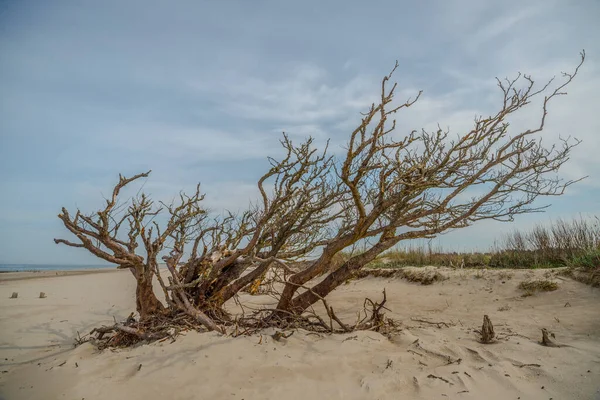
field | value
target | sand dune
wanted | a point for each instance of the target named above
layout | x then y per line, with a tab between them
436	355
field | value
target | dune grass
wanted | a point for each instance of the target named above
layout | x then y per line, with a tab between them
574	243
539	285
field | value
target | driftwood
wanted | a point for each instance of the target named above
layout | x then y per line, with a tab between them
42	295
14	295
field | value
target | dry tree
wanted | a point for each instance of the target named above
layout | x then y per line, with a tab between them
385	189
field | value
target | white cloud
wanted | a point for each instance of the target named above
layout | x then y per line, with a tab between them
305	95
195	101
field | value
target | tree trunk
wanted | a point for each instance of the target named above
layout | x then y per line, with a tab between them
209	289
229	291
301	302
146	302
300	278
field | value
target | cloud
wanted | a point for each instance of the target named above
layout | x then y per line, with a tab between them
305	95
201	93
502	24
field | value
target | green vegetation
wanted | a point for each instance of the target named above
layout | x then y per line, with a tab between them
574	244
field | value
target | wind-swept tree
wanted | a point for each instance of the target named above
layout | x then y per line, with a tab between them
388	187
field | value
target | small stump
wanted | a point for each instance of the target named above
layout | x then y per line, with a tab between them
42	295
487	330
546	341
14	295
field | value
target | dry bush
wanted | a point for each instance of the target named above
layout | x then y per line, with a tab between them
422	276
557	245
539	285
421	257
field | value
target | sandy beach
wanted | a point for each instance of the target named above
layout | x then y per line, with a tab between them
17	276
436	354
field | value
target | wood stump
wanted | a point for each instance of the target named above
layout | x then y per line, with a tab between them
546	341
487	330
14	295
42	295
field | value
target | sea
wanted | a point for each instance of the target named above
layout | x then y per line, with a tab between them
50	267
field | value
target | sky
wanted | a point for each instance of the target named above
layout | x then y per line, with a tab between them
200	91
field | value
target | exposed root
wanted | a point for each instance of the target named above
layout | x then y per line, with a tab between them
161	327
371	318
132	332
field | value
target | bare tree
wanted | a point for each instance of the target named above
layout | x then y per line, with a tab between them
387	188
100	233
415	187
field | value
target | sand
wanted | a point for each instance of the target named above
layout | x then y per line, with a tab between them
39	360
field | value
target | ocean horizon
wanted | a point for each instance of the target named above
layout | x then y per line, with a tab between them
50	267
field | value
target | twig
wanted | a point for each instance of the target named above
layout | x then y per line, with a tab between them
415	352
440	378
527	365
438	324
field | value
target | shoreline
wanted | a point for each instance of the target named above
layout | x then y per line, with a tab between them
10	276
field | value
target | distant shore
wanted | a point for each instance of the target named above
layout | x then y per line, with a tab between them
13	267
37	274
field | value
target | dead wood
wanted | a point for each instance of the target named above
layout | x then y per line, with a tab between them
546	341
385	188
14	295
487	331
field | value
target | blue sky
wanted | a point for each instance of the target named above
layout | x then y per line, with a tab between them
199	91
